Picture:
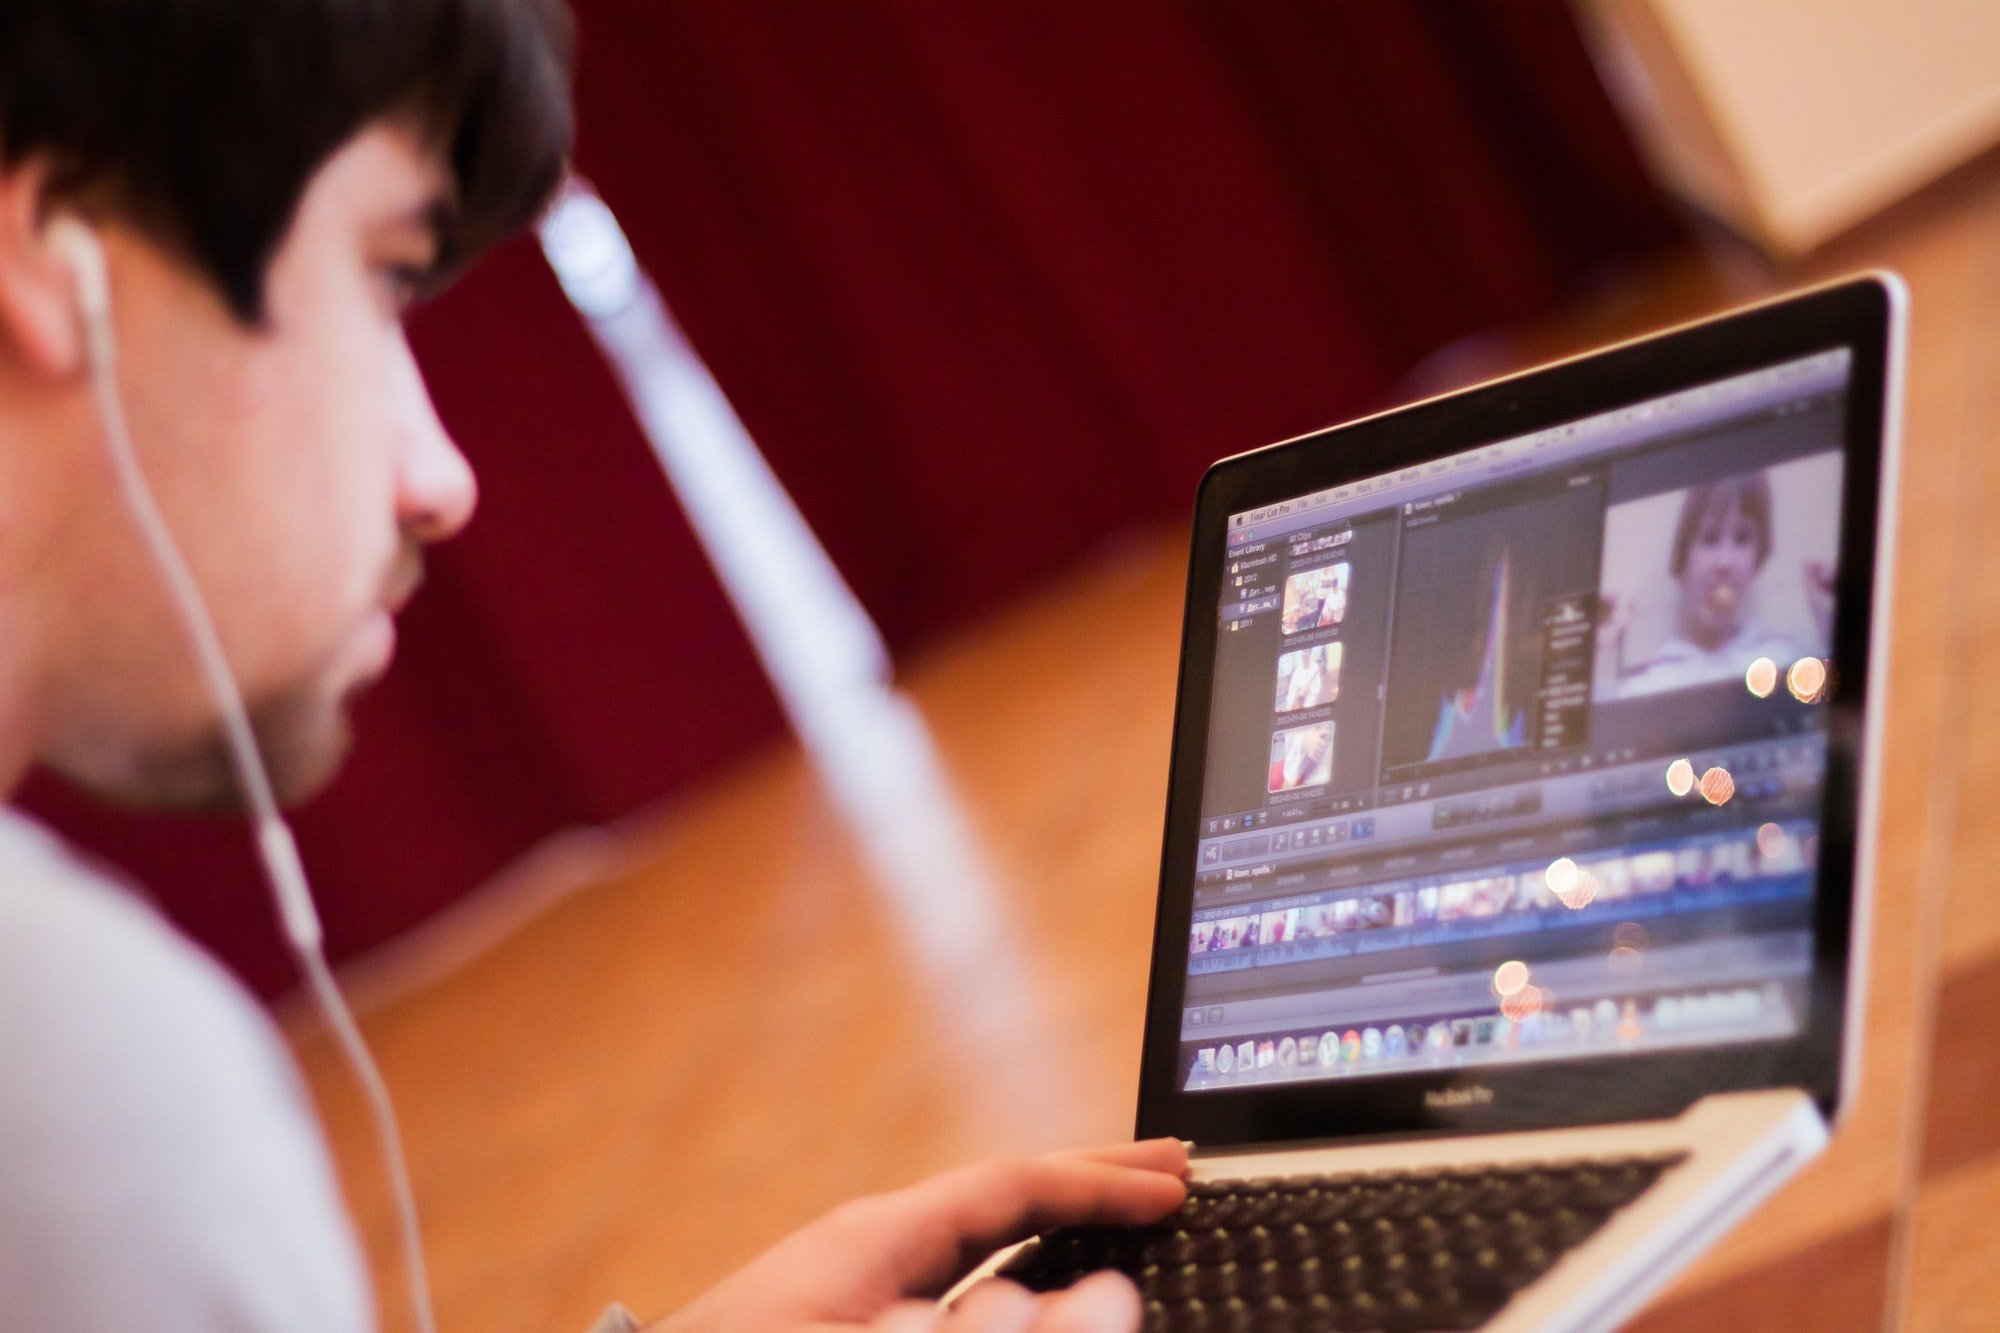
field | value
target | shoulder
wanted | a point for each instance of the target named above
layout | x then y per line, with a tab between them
1675	665
160	1152
1780	647
99	992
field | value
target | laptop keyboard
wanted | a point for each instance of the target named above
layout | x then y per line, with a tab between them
1399	1252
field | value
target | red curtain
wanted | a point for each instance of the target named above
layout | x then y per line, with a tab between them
987	281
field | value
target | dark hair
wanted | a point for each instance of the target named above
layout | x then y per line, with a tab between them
1750	494
202	121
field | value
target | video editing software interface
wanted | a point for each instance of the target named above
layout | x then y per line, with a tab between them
1519	754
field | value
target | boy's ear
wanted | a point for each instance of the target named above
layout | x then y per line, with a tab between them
41	320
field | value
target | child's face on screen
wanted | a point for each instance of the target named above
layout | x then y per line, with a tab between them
1722	562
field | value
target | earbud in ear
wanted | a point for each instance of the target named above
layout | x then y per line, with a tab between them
77	246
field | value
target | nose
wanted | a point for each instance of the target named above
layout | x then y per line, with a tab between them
435	489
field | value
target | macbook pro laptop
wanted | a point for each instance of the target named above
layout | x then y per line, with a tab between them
1512	913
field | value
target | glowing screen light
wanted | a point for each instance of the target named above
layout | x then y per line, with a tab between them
1807	680
1523	1004
1762	677
1573	886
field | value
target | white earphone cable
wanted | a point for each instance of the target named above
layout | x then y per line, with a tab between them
276	847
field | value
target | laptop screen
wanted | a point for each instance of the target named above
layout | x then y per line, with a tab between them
1517	755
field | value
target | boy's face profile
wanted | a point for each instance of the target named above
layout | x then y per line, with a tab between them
299	464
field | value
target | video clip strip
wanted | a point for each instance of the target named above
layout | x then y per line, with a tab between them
1607	1024
1770	850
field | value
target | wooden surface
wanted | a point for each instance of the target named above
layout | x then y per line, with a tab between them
654	1051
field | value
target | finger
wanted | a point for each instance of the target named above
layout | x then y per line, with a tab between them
958	1217
907	1317
1168	1155
1005	1200
1101	1303
994	1307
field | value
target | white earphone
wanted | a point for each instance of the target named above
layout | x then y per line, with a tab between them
77	246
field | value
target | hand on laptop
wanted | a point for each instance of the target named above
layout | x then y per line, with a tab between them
881	1262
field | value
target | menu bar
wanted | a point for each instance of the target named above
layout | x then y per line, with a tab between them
1701	405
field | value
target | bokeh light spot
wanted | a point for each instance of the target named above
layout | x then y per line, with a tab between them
1717	786
1762	677
1523	1004
1509	977
1807	680
1580	892
1680	777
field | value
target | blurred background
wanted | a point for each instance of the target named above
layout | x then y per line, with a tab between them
765	805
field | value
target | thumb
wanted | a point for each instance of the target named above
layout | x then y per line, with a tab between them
1101	1303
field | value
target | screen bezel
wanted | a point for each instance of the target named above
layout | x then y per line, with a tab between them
1859	314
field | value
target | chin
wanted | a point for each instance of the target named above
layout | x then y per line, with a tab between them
303	770
302	738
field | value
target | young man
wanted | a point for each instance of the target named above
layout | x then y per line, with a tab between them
272	184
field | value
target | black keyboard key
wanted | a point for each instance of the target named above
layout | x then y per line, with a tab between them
1426	1234
1487	1269
1214	1246
1338	1240
1379	1236
1361	1311
1254	1246
1288	1209
1568	1227
1470	1230
1219	1282
1302	1279
1179	1283
1346	1273
1235	1210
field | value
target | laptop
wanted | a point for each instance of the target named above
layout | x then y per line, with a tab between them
1513	906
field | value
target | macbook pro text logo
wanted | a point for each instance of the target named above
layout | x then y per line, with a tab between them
1458	1099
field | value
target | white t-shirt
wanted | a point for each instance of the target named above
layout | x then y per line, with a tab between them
1680	663
161	1168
